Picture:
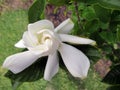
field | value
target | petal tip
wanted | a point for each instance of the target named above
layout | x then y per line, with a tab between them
93	43
20	44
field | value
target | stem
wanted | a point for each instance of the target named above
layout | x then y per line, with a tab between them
78	16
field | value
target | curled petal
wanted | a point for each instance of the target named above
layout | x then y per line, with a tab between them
65	27
29	39
52	66
76	62
20	61
76	39
39	25
20	44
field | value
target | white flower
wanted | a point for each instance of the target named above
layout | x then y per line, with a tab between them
41	39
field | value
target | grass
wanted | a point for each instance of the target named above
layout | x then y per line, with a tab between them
12	26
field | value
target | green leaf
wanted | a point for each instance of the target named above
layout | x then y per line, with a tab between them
112	4
92	52
103	25
108	36
88	13
58	2
113	76
107	49
102	13
116	87
32	73
88	1
115	16
15	84
92	26
118	34
36	10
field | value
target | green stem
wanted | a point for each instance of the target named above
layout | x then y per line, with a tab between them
78	16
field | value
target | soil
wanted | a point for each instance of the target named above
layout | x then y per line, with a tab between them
15	4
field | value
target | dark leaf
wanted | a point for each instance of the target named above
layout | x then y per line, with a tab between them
116	87
113	76
115	15
36	10
108	36
58	2
102	13
118	34
112	4
92	26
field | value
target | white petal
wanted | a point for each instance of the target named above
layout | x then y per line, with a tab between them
20	44
76	39
52	66
65	27
76	62
29	39
39	25
20	61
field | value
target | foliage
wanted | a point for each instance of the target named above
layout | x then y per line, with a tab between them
95	19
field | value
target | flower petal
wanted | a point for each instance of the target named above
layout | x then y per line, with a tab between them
65	27
76	62
20	61
39	25
76	39
20	44
29	39
52	66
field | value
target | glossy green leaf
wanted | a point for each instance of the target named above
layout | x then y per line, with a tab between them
113	76
108	36
36	10
88	13
112	4
92	26
32	73
102	13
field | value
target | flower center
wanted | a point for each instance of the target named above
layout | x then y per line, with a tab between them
47	40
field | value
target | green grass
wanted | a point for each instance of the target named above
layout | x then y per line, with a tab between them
12	26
